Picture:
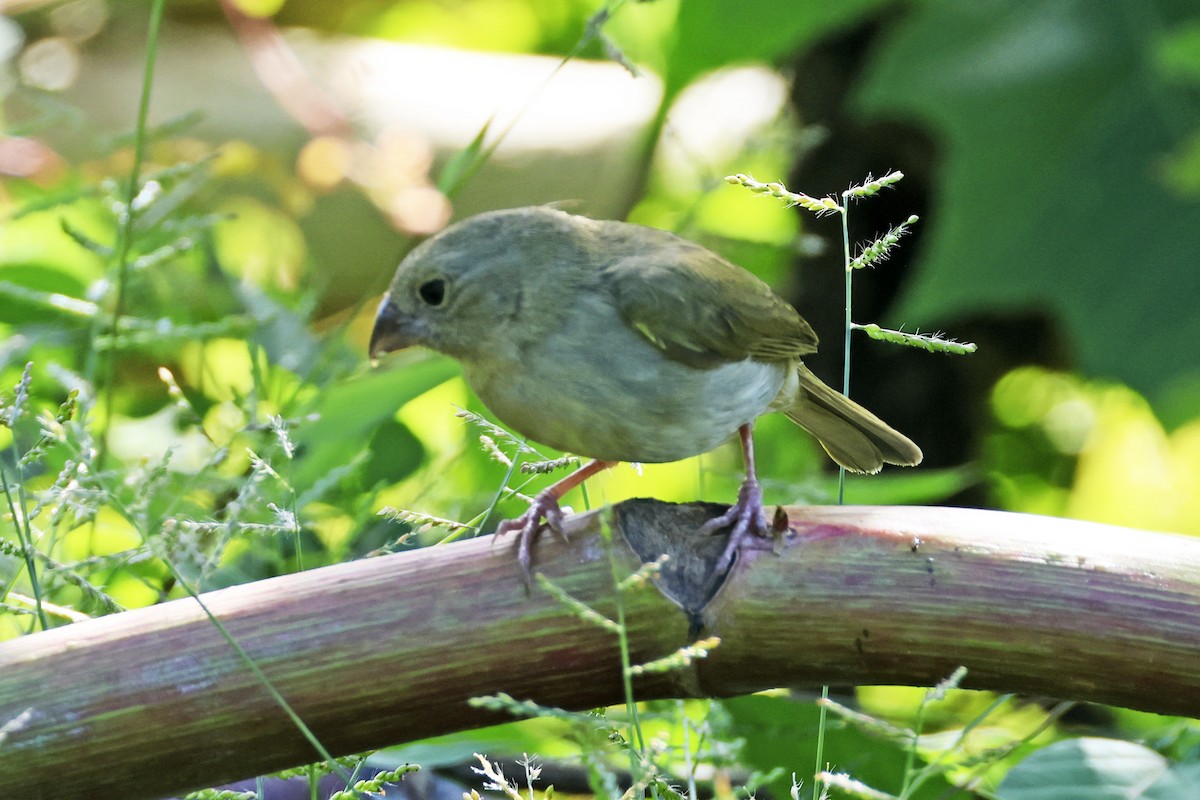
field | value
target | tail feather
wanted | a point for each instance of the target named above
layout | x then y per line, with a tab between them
854	437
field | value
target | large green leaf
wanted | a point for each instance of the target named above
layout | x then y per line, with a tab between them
1098	769
350	412
716	33
1055	127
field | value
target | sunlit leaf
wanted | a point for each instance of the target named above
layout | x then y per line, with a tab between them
1098	769
349	413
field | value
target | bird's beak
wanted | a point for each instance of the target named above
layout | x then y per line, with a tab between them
393	330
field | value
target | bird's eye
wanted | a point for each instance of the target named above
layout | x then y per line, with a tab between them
433	292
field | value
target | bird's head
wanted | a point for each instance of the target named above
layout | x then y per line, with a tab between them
477	280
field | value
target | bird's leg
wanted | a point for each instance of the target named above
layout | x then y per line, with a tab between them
545	506
747	515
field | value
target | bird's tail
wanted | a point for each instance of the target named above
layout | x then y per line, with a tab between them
854	437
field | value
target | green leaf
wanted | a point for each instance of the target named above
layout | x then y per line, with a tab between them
1055	125
782	732
40	293
710	34
351	411
394	452
906	487
465	163
1098	769
549	738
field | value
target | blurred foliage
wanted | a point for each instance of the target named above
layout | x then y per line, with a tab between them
1097	767
1066	135
237	435
519	26
1070	447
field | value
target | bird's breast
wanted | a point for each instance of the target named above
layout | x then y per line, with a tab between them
595	388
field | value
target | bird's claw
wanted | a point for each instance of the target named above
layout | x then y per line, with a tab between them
749	520
529	525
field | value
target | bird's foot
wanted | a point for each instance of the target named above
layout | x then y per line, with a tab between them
529	525
751	528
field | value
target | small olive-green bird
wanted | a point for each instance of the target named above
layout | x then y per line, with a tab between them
620	343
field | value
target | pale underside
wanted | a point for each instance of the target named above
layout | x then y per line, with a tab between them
629	403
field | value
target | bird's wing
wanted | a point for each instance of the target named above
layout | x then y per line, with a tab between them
701	310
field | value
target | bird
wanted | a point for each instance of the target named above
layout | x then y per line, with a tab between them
620	343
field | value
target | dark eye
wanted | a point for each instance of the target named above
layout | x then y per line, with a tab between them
433	292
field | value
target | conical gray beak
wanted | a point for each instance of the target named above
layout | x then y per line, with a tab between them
393	330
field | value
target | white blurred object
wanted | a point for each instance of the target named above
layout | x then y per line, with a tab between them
451	94
577	132
714	119
51	64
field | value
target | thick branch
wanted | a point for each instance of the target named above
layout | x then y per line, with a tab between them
387	650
